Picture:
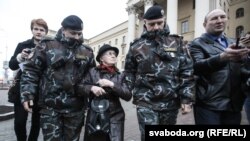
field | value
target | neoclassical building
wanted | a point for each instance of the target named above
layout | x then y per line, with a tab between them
116	36
184	17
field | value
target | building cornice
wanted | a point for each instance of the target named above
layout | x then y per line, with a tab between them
234	2
108	30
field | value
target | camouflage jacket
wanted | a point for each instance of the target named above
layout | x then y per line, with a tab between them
54	69
160	73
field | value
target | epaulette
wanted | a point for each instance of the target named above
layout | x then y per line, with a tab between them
135	41
176	35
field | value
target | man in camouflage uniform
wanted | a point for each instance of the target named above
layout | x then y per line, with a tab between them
159	73
56	67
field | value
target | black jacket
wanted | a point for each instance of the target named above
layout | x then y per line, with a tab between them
218	82
14	64
116	112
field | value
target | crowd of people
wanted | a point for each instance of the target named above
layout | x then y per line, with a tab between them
64	89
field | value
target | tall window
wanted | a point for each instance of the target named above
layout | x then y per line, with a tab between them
123	64
193	4
184	27
123	50
239	12
239	31
224	7
109	42
116	41
124	39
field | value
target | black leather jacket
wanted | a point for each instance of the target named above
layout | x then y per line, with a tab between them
218	82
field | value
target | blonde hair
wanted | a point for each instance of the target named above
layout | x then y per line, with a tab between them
39	22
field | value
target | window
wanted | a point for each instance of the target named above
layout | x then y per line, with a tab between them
123	64
99	47
123	50
124	39
193	4
116	41
109	42
94	49
239	31
224	7
239	12
184	27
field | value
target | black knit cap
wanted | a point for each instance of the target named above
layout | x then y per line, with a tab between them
105	48
72	22
154	12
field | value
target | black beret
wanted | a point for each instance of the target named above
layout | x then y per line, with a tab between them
72	22
105	48
154	12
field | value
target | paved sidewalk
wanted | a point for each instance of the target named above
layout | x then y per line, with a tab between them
131	126
6	112
6	108
7	126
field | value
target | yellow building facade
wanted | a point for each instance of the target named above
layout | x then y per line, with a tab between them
184	17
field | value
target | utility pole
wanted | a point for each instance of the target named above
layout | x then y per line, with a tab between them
6	67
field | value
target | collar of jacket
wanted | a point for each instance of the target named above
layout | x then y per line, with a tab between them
211	42
208	40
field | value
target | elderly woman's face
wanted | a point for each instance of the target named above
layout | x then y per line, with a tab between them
109	58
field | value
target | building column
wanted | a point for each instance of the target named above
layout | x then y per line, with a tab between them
213	4
147	4
200	13
131	25
172	15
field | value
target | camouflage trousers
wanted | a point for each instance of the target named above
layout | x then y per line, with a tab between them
62	126
147	116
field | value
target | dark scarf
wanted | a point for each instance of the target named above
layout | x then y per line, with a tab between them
108	69
151	35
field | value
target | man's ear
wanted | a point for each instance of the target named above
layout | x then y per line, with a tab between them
144	25
204	24
164	24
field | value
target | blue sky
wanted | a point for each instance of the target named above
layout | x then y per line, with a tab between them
16	15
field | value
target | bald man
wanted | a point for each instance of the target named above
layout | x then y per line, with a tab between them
217	63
